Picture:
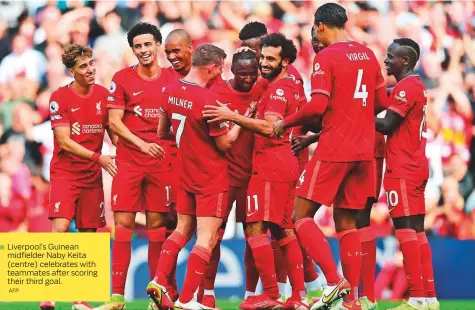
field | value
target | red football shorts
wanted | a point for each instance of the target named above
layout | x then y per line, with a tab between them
378	164
270	202
405	197
133	191
213	205
238	194
83	204
344	184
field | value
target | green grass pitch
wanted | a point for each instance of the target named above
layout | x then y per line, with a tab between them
227	305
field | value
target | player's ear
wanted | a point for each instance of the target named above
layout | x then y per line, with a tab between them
285	62
71	71
407	60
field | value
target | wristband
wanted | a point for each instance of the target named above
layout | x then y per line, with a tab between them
95	157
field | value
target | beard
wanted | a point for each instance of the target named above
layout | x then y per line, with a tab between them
275	72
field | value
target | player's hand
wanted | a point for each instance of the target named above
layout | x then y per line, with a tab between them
153	149
300	143
221	112
107	162
244	49
278	128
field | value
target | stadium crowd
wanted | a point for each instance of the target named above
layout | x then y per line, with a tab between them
32	35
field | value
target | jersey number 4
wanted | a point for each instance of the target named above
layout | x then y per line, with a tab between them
363	94
180	128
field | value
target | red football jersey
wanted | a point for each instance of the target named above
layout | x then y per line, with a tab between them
406	146
140	100
349	74
203	168
273	158
379	146
86	116
240	155
298	131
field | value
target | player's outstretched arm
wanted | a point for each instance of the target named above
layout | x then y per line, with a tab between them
114	138
118	127
62	134
382	100
389	123
163	130
222	113
306	115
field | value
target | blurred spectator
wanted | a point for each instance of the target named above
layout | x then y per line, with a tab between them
391	283
12	207
114	42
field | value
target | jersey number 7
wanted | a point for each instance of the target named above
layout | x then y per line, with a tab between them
180	128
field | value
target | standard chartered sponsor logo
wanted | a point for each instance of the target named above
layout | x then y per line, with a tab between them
77	129
147	112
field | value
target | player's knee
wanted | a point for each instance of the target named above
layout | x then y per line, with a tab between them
344	219
207	239
254	229
363	219
61	226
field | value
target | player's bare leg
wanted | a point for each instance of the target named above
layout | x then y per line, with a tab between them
292	255
62	225
207	236
368	255
406	233
316	245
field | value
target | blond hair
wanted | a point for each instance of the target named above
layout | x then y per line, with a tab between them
73	52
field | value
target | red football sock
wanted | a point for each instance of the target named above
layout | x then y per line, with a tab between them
368	261
172	286
310	273
427	269
280	262
156	237
212	269
170	249
121	252
350	254
197	263
316	245
252	275
263	257
411	253
293	255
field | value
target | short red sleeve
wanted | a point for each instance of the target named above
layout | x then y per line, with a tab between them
58	108
402	99
279	97
116	98
219	128
322	75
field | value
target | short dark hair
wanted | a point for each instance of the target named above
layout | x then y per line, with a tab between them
313	33
143	28
252	30
244	55
206	54
332	15
289	50
411	48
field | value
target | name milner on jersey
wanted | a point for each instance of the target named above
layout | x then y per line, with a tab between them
187	104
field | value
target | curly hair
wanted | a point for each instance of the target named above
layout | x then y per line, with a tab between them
143	28
252	30
332	15
289	50
73	52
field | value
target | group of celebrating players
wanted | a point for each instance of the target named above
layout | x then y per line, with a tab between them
190	144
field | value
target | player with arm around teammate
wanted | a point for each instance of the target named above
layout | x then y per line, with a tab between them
407	171
202	196
78	118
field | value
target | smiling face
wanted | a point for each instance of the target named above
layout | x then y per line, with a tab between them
145	48
271	62
178	54
84	71
245	74
396	60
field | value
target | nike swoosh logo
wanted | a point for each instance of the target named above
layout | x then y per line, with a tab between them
137	93
74	110
250	214
327	298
